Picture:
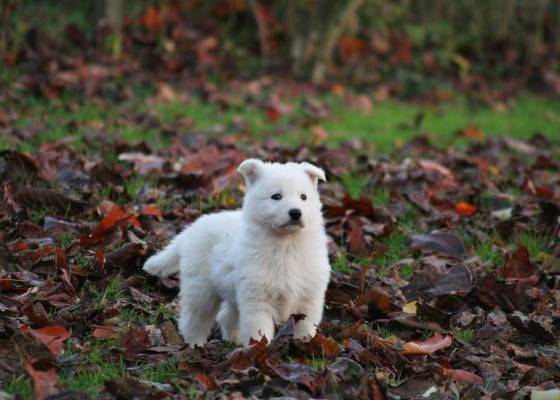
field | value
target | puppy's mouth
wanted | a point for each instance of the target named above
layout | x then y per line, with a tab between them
292	224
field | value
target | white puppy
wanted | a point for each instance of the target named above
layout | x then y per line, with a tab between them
252	268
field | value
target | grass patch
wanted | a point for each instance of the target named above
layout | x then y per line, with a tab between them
163	312
342	265
113	292
535	244
389	378
391	122
381	197
488	252
137	134
355	185
98	368
464	334
396	248
135	185
20	386
318	363
163	372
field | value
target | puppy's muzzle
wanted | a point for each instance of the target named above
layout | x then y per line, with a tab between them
295	218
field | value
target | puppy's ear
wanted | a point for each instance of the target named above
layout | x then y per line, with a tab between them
251	169
315	173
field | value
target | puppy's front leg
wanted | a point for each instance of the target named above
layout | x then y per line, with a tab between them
313	310
255	322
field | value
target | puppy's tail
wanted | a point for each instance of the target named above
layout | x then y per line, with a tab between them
164	263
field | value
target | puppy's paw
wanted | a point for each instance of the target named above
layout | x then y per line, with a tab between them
305	330
152	267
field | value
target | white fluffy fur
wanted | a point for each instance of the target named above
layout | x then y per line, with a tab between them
250	269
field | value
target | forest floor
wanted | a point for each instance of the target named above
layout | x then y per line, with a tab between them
444	220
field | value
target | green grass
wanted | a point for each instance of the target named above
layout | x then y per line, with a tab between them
341	264
134	185
163	372
381	197
113	292
396	248
535	244
319	362
98	368
390	122
19	386
464	334
488	252
163	312
355	185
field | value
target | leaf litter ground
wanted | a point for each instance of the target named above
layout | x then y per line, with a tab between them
446	265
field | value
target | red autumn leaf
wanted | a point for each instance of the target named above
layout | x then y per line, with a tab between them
107	224
351	47
135	341
472	132
104	331
324	345
517	267
465	209
243	358
356	240
152	210
47	250
319	134
60	258
272	113
101	259
134	221
21	246
152	19
545	192
461	375
51	336
208	381
44	382
428	346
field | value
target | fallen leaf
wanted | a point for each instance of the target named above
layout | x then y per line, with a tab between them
44	382
36	198
465	209
461	375
115	217
135	340
472	132
410	308
299	373
52	336
439	242
428	346
517	267
104	331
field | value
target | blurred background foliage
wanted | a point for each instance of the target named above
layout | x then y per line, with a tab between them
409	46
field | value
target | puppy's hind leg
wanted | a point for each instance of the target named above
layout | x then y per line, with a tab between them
228	319
198	308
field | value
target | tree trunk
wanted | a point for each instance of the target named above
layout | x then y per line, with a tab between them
331	40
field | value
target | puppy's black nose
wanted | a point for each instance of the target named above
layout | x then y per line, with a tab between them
295	214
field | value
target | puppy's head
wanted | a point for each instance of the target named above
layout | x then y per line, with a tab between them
282	198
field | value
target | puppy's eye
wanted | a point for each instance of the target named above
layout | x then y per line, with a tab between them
276	196
303	197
